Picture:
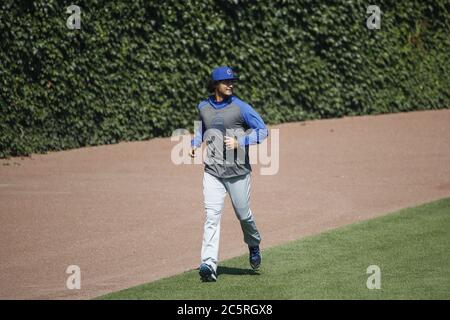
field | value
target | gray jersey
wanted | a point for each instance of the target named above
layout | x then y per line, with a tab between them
219	123
233	118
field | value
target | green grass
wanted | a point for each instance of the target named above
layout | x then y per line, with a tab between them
411	247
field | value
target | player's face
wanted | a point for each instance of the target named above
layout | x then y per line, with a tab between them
225	87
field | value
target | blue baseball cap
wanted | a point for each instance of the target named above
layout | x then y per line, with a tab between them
223	73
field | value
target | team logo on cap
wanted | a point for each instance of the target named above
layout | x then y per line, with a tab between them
229	72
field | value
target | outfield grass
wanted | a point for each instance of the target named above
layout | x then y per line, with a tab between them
411	247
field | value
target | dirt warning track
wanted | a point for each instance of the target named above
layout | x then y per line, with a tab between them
126	214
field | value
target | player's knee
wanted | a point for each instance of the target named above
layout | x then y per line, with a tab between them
213	215
213	209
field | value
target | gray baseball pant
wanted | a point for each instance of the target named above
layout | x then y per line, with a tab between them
214	191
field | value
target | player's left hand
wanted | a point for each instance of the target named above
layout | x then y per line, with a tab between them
231	143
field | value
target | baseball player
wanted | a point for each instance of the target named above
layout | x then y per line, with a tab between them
229	126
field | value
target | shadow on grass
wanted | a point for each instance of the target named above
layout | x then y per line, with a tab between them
236	271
